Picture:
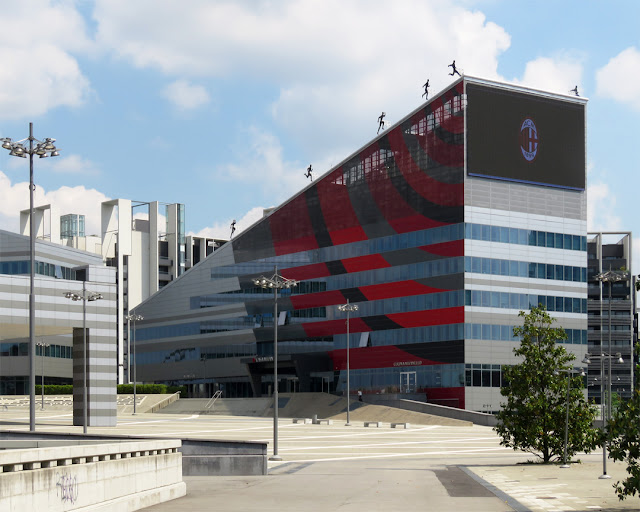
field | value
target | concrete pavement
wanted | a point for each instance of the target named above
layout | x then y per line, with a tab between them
334	467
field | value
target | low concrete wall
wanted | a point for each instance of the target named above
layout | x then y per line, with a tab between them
199	456
223	458
117	476
478	418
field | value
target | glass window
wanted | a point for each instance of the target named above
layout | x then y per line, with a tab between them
504	235
495	234
523	237
567	242
486	233
550	271
559	269
576	243
513	235
542	239
532	237
495	267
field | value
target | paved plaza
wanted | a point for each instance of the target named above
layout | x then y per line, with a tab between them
357	468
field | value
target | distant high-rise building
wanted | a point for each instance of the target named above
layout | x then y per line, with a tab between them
145	242
611	251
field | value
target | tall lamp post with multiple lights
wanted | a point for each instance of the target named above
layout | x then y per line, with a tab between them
570	372
606	410
135	318
84	298
349	308
276	282
42	149
43	345
611	276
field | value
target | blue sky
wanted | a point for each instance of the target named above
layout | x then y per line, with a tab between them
222	105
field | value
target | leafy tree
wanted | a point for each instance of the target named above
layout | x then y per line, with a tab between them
623	433
534	416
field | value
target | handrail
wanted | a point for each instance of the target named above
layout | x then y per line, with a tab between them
213	399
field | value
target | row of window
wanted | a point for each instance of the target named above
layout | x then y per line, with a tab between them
533	270
413	239
22	349
41	268
529	237
505	333
524	301
415	378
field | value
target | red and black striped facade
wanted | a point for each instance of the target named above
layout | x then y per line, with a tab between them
408	181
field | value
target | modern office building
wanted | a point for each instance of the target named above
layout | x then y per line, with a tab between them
58	323
613	306
145	242
441	229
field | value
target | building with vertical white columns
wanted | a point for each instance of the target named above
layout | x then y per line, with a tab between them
145	242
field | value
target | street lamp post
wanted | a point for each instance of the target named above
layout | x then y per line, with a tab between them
42	346
348	308
42	149
611	276
618	357
84	298
135	318
276	282
569	373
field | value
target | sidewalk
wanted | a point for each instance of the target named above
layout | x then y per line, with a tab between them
539	487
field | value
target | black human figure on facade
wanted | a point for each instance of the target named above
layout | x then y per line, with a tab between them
381	122
455	71
233	227
575	90
308	173
426	90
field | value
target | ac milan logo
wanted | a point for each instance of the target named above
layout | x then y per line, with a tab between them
529	140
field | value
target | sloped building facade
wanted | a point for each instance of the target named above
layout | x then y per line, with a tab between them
441	229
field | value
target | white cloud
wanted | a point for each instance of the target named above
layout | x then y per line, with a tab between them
186	96
222	230
73	164
343	61
38	70
601	209
260	163
556	74
14	197
619	79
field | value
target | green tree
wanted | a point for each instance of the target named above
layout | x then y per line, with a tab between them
624	440
534	416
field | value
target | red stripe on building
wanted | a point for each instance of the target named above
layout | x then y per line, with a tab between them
387	356
303	272
314	300
445	194
291	229
339	216
398	289
450	249
331	327
430	317
362	263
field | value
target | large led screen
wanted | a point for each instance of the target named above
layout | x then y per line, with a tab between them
526	138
